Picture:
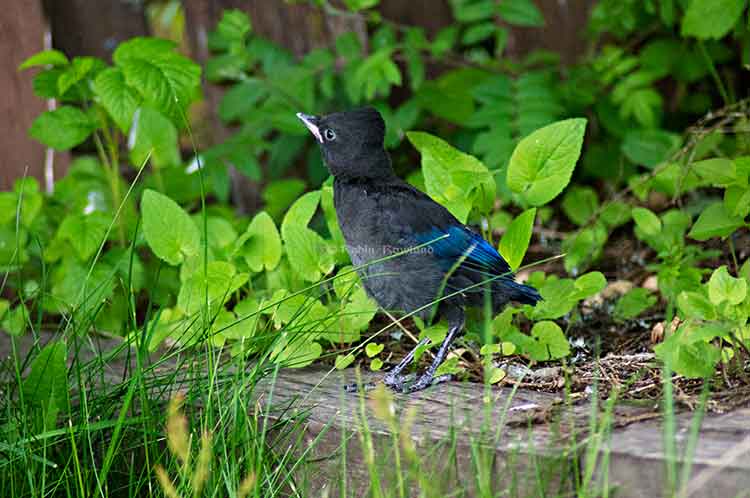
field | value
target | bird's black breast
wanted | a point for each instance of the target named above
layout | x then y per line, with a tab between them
382	220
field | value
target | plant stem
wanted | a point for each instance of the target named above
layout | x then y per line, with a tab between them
715	74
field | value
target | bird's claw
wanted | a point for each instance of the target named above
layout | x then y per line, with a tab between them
425	381
400	383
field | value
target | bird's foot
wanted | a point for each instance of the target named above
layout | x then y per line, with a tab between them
401	383
424	381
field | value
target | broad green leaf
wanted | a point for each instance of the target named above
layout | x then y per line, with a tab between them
449	96
583	248
516	239
695	305
25	201
718	171
692	360
495	375
166	80
745	271
216	285
615	213
63	128
715	221
551	343
356	5
376	364
373	349
456	180
579	204
76	72
520	13
45	58
234	27
168	229
479	32
633	303
737	201
85	232
298	352
15	321
307	251
649	147
542	163
242	99
343	361
154	134
705	19
724	287
45	389
260	245
280	194
116	97
647	221
589	284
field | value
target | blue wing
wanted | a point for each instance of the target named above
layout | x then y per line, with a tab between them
452	244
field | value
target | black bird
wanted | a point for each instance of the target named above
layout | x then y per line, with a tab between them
381	215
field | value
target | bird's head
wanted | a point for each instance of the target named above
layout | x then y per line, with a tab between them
351	142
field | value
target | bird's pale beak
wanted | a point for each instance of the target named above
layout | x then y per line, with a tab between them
312	124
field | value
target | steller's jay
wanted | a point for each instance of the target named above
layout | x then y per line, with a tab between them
446	266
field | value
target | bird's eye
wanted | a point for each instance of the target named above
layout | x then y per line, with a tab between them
329	135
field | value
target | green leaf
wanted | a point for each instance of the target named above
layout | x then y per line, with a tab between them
589	284
15	321
307	251
116	97
45	389
495	375
718	171
579	204
85	232
551	343
373	349
356	5
705	19
234	26
715	221
453	178
168	81
649	147
516	239
260	245
155	134
695	305
376	364
520	13
169	231
45	58
724	287
737	201
615	213
63	128
647	221
343	361
633	303
216	284
76	72
242	99
542	163
479	32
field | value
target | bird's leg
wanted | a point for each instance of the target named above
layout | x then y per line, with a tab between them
394	379
428	378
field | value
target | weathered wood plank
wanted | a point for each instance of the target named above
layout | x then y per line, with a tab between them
532	434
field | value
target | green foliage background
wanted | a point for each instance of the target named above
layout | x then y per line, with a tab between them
144	225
